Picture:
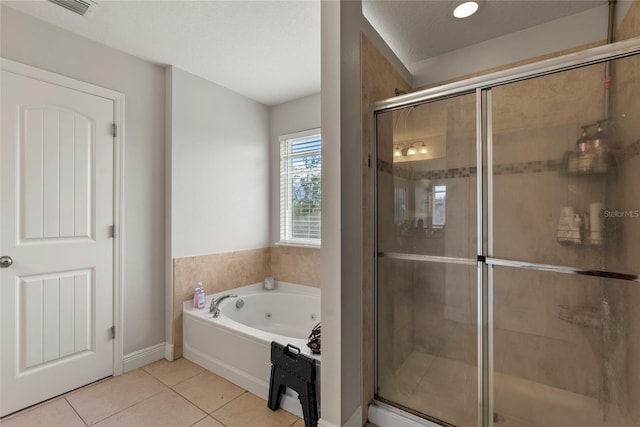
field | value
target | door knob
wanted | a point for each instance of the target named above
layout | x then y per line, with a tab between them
6	261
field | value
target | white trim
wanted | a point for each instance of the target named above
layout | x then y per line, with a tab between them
118	184
58	79
388	416
168	209
289	400
301	134
355	420
168	351
143	357
298	244
325	423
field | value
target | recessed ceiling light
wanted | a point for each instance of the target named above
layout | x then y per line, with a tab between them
466	9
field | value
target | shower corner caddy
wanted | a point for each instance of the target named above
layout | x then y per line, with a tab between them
584	170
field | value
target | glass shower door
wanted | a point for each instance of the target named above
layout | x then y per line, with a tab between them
564	245
426	268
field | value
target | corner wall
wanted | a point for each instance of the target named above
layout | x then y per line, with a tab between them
218	185
342	254
379	80
219	176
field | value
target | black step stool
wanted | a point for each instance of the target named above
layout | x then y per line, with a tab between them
290	368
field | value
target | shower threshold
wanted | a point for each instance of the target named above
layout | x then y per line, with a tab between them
432	385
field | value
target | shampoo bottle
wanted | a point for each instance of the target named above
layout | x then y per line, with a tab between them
198	296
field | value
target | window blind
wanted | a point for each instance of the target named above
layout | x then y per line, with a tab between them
300	188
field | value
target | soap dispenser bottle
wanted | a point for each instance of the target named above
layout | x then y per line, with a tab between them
584	152
600	149
198	296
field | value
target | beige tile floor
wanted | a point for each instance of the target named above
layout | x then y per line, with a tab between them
169	394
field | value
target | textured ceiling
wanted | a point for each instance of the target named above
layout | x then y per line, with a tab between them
269	50
266	50
417	30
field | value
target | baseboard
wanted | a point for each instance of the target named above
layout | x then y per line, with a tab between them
168	351
355	420
143	357
258	386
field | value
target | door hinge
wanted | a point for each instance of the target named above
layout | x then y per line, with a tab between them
114	130
112	231
369	163
113	332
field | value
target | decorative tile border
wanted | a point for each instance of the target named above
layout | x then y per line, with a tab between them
447	173
466	172
537	166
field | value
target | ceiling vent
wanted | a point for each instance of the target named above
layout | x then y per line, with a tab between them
81	7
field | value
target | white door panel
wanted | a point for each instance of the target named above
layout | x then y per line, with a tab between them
56	214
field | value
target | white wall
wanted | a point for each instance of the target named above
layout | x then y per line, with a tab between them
293	116
341	26
31	41
219	168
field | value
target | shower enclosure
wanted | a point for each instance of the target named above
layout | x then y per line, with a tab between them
507	246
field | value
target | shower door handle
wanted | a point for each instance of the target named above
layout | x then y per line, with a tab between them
6	261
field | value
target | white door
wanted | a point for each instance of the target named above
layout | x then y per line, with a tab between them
56	177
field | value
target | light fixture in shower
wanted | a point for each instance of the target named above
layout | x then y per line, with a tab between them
405	151
466	9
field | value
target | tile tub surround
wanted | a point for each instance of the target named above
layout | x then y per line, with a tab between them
230	270
296	265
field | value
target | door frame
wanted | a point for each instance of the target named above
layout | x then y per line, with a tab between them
118	99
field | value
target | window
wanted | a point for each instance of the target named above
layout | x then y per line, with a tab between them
439	205
300	195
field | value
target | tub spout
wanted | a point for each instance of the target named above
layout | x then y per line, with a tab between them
215	304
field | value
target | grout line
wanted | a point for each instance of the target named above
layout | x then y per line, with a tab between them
217	409
218	420
192	404
201	419
179	382
128	407
74	410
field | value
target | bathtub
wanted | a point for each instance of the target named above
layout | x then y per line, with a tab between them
237	345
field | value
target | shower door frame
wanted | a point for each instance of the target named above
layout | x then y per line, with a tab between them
482	87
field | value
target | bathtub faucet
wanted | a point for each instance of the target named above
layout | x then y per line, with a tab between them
215	304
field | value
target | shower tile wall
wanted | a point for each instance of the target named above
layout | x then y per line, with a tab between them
535	122
379	81
555	329
626	110
427	334
230	270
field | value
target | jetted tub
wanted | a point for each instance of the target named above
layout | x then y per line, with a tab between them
237	344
